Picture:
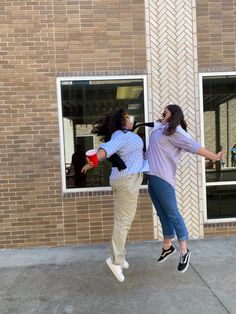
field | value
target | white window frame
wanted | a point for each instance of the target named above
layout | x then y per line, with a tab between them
60	117
204	183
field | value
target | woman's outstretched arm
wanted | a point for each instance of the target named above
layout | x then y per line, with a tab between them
209	155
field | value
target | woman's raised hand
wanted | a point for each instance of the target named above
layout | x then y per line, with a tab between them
220	155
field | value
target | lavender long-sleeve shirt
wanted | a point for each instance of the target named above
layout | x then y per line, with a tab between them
164	151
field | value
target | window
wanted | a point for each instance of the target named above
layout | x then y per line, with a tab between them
81	102
221	201
219	107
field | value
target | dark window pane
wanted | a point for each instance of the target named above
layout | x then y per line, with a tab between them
221	201
219	100
83	102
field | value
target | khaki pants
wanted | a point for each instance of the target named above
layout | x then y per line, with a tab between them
125	194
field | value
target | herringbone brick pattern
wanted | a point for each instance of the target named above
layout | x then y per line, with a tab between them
172	77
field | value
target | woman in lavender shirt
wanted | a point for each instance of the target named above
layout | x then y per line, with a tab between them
169	138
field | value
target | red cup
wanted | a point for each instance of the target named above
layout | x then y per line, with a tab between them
92	156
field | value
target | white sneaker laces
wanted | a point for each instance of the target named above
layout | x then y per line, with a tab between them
182	257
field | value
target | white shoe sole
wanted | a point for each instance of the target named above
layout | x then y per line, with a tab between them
110	265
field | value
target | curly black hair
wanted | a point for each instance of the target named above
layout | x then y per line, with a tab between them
177	118
111	122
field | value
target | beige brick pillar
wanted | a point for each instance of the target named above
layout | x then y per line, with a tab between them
173	78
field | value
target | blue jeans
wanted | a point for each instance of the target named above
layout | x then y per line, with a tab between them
164	199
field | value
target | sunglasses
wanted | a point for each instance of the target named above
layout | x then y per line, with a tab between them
131	118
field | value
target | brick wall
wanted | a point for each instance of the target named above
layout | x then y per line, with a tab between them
216	24
41	40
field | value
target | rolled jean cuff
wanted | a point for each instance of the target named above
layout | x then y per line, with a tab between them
168	236
183	239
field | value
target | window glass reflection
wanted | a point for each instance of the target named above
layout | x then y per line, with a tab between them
219	100
83	102
221	201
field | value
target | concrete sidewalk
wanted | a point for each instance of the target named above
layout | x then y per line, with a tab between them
75	280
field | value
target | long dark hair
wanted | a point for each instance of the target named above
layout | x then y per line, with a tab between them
177	118
111	122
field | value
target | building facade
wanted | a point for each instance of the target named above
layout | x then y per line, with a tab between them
66	62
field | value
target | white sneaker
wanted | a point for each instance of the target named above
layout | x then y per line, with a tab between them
116	269
125	265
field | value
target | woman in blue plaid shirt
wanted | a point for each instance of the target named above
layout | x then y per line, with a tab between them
115	131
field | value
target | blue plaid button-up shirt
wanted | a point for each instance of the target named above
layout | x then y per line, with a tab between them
129	146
